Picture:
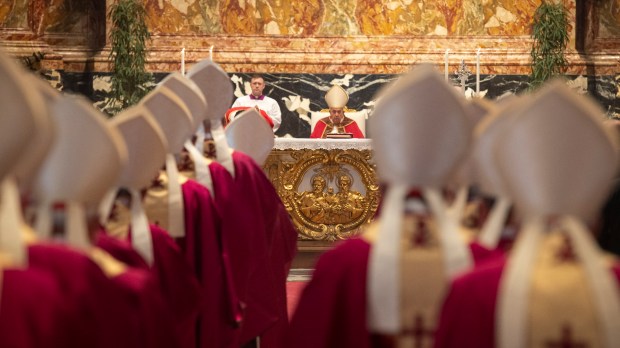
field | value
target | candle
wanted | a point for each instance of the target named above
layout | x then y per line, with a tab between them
478	72
445	70
183	61
211	52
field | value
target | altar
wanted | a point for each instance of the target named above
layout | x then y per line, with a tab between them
328	186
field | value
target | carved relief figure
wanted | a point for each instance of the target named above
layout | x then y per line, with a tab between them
349	202
313	204
323	205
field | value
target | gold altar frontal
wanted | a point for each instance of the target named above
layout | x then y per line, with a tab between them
328	186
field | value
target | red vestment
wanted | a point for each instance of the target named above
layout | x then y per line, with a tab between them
332	309
202	247
149	308
33	311
240	242
174	276
324	126
468	314
273	237
143	290
99	315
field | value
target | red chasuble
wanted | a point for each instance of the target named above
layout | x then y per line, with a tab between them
332	309
260	241
202	247
149	308
33	311
273	237
179	285
324	126
468	314
142	289
174	276
241	243
100	317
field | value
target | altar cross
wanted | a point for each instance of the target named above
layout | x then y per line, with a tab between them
566	253
419	332
566	341
421	234
463	74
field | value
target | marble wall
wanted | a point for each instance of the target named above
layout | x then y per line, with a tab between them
300	94
302	46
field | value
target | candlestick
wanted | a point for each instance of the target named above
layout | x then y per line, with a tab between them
445	70
183	61
211	52
478	71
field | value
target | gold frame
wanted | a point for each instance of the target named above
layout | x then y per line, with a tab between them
287	169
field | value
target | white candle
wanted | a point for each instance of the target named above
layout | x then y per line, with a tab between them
445	58
183	61
211	52
478	71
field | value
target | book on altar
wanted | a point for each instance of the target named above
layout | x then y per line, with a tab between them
339	135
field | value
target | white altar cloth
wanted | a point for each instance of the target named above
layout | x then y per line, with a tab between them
327	144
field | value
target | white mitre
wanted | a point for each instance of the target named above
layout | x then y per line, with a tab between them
420	134
250	134
23	114
336	97
218	91
172	115
41	139
84	162
174	119
485	172
192	96
189	93
147	149
558	161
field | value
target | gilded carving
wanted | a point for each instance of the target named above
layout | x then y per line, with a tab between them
340	195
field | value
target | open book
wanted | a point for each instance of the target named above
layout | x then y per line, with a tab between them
339	135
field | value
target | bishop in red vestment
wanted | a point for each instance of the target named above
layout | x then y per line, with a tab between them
385	289
342	125
260	240
100	316
336	98
33	311
144	292
332	309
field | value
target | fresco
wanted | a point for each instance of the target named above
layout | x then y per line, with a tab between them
68	16
608	12
271	17
345	17
180	17
14	14
303	18
448	17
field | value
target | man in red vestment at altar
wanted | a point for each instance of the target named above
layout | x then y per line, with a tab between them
336	122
